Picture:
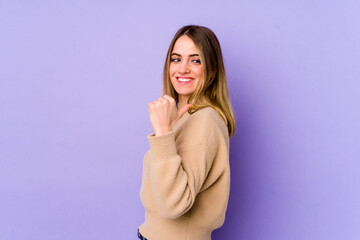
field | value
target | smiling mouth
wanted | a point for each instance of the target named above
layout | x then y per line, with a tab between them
184	81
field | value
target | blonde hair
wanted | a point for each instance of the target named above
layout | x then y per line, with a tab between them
213	91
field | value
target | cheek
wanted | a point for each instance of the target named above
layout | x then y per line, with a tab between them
199	72
172	69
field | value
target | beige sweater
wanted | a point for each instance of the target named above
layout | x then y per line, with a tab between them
186	179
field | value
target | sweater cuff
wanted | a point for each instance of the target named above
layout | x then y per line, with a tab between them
163	147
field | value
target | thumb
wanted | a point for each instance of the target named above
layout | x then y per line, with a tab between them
183	110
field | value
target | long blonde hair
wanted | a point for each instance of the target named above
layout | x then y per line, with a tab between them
213	91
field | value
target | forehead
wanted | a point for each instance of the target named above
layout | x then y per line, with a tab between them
185	46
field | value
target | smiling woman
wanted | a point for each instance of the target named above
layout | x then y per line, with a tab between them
186	173
185	70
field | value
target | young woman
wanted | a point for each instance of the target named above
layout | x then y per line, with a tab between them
186	173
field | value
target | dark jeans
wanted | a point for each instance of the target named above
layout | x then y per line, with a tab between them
141	236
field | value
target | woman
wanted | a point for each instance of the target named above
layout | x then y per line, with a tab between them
186	173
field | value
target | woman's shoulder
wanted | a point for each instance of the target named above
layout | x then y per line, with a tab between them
204	127
206	120
207	115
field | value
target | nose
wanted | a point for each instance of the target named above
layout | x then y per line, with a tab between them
184	67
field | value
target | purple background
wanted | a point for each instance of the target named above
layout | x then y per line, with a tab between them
75	80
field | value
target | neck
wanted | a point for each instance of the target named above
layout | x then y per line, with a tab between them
181	104
183	98
182	101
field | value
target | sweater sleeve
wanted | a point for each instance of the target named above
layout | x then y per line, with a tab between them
178	173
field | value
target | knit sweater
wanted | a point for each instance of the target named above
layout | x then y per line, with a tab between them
186	179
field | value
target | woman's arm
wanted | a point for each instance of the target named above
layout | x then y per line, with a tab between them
178	173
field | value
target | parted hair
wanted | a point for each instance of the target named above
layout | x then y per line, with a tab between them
213	90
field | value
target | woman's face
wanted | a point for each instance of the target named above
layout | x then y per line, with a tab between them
186	72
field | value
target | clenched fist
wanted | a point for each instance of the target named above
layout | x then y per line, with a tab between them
163	114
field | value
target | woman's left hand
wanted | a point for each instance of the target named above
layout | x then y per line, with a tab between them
163	114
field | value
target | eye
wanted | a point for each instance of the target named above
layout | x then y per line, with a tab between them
197	61
175	60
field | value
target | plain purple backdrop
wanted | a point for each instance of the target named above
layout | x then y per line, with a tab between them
75	80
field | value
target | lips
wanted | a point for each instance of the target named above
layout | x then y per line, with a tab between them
184	80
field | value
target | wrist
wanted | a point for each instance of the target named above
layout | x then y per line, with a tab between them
161	132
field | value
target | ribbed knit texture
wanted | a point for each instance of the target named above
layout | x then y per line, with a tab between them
186	179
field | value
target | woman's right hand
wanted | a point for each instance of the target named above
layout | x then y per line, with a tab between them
163	114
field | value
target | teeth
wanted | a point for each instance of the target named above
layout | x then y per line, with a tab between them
184	79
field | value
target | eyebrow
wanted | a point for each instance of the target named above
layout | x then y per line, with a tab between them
191	55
